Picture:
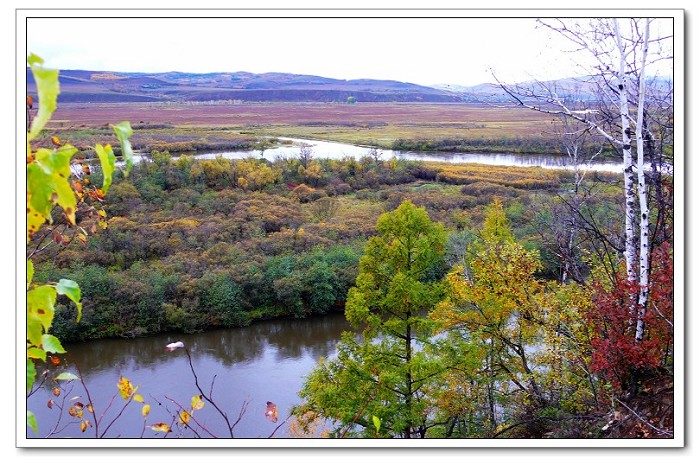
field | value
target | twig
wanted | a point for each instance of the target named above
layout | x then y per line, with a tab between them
192	418
209	399
92	406
278	426
357	416
660	431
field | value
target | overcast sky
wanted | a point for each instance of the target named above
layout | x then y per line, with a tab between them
423	50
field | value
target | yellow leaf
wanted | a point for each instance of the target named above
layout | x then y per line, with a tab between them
126	389
145	410
197	402
83	426
138	398
185	417
161	427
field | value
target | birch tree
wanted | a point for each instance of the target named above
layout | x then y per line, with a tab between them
619	53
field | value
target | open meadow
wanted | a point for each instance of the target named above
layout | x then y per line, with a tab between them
408	126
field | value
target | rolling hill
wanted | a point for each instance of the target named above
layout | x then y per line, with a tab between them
104	86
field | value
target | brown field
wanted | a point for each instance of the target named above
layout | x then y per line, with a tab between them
464	116
362	123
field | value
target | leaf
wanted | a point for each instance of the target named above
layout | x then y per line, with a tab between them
31	421
197	403
31	374
83	425
271	412
65	376
161	427
56	391
40	307
47	184
123	131
30	272
71	290
51	343
47	89
37	353
377	422
145	410
138	398
109	163
185	417
126	389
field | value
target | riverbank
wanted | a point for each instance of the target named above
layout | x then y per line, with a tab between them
410	126
199	243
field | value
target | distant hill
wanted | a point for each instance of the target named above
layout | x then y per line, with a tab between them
582	89
105	86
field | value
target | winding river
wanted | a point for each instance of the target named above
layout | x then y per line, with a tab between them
242	368
337	150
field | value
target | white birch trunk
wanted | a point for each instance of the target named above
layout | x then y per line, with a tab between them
628	166
642	194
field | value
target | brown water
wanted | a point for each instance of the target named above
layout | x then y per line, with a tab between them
266	361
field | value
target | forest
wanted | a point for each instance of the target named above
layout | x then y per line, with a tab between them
485	302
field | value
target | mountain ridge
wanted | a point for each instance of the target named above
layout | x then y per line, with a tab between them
109	86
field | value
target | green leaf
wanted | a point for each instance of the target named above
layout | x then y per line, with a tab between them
47	184
71	290
109	163
123	131
34	330
30	272
31	374
65	376
377	422
52	344
47	89
35	352
31	421
40	307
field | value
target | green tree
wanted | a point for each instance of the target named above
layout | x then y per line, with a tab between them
387	372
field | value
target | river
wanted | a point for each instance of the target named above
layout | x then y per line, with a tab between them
266	361
337	150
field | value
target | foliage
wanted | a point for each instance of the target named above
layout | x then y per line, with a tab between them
495	304
386	373
616	356
48	185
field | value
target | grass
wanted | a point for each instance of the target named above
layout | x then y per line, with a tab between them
209	127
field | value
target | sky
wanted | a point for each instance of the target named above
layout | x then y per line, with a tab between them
422	50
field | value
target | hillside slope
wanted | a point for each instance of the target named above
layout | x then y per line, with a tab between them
104	86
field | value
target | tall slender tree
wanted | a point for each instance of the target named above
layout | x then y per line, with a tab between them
385	374
621	53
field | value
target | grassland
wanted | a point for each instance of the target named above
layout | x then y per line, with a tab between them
427	126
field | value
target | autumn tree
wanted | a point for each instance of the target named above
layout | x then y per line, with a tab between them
630	110
495	303
385	374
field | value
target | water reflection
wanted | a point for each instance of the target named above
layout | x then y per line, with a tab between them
266	361
338	150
